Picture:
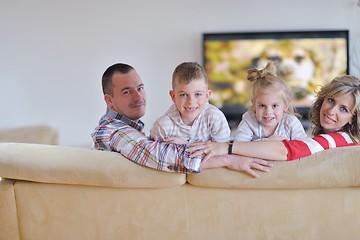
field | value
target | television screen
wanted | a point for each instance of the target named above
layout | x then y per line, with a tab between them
306	60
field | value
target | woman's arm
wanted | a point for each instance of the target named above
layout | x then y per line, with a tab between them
275	150
267	149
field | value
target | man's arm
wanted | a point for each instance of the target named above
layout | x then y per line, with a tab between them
135	146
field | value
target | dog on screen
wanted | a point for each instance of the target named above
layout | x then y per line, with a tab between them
296	65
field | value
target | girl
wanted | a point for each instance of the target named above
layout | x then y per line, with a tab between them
336	124
271	115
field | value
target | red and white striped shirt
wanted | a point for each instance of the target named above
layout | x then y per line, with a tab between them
308	146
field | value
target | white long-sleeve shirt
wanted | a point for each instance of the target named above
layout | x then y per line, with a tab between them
250	129
211	125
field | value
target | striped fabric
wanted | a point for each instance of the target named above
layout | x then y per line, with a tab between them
210	125
119	134
305	147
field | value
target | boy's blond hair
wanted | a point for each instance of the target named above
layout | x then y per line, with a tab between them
188	71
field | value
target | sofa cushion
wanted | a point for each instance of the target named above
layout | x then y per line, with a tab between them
71	165
339	167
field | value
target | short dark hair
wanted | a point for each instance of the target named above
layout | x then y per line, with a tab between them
107	85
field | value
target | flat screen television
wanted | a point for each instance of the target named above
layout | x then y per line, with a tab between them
304	59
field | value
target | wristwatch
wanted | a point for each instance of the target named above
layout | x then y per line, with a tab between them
230	146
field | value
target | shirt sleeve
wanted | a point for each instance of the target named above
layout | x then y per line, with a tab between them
244	131
157	132
308	146
135	146
219	127
296	129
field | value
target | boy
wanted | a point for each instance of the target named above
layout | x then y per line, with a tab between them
191	118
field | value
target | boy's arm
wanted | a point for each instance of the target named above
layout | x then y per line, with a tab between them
161	131
157	132
219	127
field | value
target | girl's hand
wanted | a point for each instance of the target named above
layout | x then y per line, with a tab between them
209	149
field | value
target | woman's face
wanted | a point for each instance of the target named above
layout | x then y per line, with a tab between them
335	112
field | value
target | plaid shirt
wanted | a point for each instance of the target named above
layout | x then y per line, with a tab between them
120	134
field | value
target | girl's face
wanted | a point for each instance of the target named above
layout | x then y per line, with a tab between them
190	99
336	112
269	109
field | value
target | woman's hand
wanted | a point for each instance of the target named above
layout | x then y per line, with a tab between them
248	164
238	163
210	149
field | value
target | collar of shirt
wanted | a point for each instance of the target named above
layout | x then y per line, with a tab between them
138	125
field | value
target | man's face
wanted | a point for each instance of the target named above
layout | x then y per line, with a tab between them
129	97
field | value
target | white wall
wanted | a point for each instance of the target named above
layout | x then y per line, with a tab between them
53	53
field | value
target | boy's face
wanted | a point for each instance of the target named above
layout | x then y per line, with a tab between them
190	99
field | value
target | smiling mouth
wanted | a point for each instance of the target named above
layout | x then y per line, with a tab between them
190	109
138	105
268	119
329	119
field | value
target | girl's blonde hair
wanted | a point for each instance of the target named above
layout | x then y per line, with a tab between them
337	87
265	80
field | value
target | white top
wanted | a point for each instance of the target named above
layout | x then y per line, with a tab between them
250	129
211	124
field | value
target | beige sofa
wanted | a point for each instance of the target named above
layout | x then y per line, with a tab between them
57	192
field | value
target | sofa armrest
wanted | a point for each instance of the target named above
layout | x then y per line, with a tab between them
40	134
71	165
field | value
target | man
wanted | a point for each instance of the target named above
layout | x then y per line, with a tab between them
120	130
